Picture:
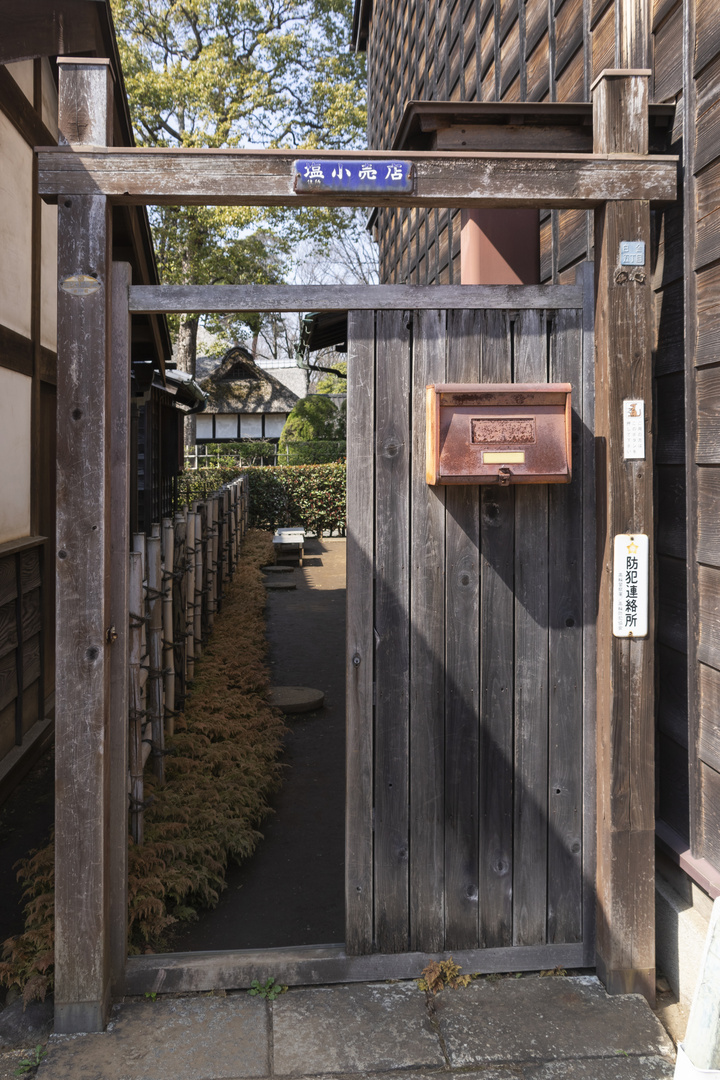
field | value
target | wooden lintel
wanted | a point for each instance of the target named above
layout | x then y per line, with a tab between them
168	299
189	177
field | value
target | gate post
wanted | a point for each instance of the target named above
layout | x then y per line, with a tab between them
625	666
82	967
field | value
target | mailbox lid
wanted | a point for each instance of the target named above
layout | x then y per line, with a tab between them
482	428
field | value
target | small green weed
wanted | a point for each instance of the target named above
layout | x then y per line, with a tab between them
269	990
151	994
30	1063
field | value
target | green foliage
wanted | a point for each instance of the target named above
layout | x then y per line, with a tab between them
268	990
309	495
227	454
313	417
30	1063
239	73
199	483
219	776
313	452
332	383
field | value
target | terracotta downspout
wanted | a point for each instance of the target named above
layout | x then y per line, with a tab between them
500	247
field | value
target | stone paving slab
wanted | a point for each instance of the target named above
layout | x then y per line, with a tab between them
617	1068
353	1029
545	1019
173	1039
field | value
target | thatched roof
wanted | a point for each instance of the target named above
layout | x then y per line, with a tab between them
238	385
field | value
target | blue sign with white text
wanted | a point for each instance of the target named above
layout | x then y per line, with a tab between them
314	175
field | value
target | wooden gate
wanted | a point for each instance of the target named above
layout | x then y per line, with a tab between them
471	654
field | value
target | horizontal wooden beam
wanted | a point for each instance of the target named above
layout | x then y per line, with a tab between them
168	299
192	972
191	177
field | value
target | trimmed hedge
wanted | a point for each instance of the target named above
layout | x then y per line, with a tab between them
200	483
309	495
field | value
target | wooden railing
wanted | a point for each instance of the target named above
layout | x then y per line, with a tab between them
177	578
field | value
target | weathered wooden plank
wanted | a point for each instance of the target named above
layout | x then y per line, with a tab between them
707	35
625	676
668	60
673	792
392	630
708	520
707	129
82	597
427	656
670	255
31	614
572	237
225	298
308	966
568	33
708	646
8	679
565	611
531	669
462	677
497	542
710	820
707	230
8	580
709	729
144	176
360	570
669	329
708	417
30	577
119	728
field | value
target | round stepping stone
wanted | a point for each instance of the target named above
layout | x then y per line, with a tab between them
296	699
277	569
280	586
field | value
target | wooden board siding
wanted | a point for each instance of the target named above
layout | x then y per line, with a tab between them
470	831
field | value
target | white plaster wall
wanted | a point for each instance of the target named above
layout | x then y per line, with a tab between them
15	391
48	279
22	73
274	423
204	428
250	426
226	426
16	160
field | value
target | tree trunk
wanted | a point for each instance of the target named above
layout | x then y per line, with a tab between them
185	355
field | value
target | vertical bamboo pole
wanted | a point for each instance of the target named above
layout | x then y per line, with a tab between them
190	597
155	674
168	638
179	533
212	558
220	548
207	559
136	697
198	592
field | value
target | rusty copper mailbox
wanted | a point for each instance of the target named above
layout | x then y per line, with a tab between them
484	433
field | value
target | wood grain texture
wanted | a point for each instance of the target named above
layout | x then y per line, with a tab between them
625	698
672	603
273	298
497	667
710	814
427	656
708	644
119	452
462	653
360	645
709	733
531	669
565	613
249	178
82	603
392	631
708	417
313	966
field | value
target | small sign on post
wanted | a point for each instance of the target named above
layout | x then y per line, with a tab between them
634	429
630	585
314	175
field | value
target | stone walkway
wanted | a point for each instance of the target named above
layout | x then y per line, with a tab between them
531	1028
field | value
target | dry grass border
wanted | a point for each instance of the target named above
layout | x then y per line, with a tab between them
220	775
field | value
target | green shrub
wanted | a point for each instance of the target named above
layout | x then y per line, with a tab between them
314	452
200	483
309	495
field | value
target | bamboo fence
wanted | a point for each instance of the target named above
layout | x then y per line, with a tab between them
177	578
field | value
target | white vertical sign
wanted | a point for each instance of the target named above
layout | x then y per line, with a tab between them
634	429
630	585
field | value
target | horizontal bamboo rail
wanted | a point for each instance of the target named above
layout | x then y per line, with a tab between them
177	577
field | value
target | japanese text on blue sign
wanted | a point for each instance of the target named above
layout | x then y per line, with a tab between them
312	176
